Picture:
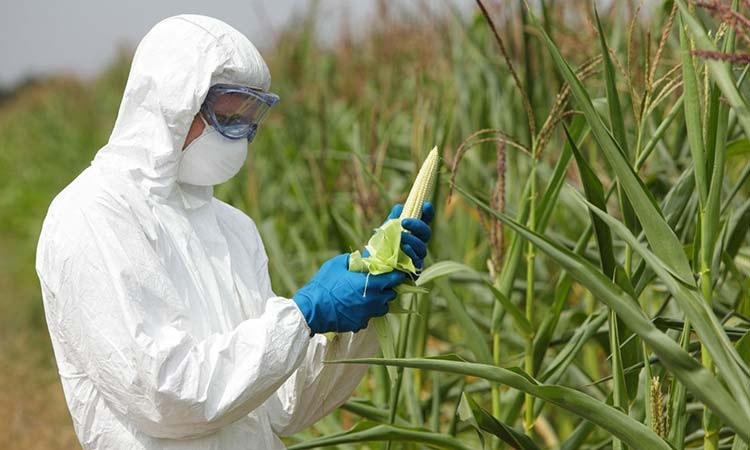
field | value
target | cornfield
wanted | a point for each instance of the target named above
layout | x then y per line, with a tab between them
588	272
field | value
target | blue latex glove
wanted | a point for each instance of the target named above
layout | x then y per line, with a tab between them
333	300
414	243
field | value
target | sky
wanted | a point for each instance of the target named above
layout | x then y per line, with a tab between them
81	37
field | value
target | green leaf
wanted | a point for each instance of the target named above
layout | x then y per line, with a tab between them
617	123
613	99
347	231
578	436
470	411
406	288
544	334
702	318
475	339
364	166
678	399
620	391
658	134
699	380
661	238
435	273
614	421
718	130
629	346
743	347
595	193
367	431
720	70
579	130
518	317
693	117
367	410
556	369
396	308
741	179
385	339
446	269
738	147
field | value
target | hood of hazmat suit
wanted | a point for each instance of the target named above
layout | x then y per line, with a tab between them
165	328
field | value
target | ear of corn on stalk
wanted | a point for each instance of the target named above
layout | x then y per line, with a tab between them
385	245
386	254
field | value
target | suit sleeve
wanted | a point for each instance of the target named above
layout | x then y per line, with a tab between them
315	388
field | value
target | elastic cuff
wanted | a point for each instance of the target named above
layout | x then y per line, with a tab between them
304	319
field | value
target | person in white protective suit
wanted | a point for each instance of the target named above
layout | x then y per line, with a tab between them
165	328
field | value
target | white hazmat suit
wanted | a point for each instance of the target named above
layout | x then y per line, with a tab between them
166	331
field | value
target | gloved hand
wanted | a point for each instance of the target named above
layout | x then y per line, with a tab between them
414	243
333	300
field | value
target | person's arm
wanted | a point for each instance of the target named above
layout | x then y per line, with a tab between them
121	320
315	389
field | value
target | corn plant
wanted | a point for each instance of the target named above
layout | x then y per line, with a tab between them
588	271
666	250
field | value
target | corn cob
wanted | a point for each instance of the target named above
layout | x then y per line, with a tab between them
422	187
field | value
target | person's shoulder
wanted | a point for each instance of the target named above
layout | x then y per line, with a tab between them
84	194
71	199
70	223
82	206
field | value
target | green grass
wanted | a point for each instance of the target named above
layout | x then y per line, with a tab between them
624	217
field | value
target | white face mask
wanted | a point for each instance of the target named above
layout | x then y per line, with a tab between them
211	158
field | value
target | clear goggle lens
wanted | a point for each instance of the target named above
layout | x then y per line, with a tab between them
236	111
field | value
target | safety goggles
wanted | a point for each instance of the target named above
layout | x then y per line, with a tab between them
236	111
